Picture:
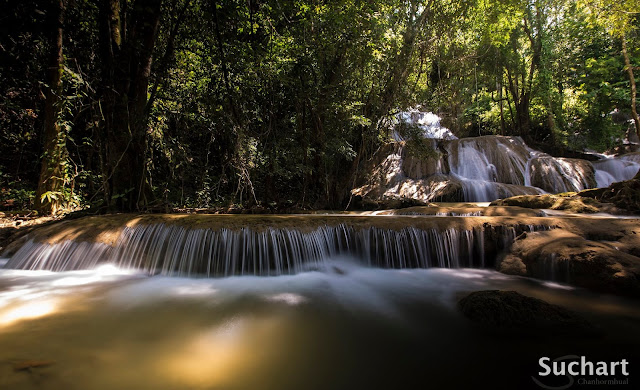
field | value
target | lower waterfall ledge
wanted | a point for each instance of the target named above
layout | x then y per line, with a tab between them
596	252
197	245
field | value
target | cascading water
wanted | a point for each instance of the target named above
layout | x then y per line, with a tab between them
485	164
179	250
481	169
427	122
486	170
612	170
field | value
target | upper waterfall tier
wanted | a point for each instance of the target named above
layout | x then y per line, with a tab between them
482	169
427	122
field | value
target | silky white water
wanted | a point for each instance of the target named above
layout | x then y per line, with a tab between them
177	250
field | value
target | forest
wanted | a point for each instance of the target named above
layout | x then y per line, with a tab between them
143	105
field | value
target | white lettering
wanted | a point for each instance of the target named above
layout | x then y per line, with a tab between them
581	366
613	367
601	369
570	369
624	367
545	366
584	364
558	368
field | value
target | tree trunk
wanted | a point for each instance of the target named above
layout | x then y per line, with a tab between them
523	118
632	81
127	49
521	101
49	194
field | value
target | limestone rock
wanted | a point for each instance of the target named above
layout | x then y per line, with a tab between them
566	257
562	174
575	204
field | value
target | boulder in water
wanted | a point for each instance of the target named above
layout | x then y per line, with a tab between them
567	257
561	174
511	311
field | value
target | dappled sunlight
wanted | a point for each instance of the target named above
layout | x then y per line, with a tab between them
27	295
224	354
210	357
26	311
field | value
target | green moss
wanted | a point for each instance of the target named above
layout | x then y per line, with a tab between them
575	204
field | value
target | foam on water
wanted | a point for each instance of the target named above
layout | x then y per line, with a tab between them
339	280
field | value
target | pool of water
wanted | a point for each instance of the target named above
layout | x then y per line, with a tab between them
340	327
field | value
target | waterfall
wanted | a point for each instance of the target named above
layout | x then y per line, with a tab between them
427	122
482	169
612	170
179	250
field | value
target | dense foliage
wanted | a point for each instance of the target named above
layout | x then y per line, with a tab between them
277	104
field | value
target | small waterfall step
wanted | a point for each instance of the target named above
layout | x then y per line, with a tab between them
234	245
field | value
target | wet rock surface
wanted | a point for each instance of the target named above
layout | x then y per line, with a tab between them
510	311
483	169
575	204
605	263
600	252
624	195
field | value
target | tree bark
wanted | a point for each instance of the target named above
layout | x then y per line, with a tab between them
127	50
632	81
51	183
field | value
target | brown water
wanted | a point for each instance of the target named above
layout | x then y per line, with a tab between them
341	327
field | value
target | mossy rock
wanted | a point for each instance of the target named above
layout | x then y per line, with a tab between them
624	194
574	204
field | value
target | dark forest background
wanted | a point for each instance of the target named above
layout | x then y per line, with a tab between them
146	104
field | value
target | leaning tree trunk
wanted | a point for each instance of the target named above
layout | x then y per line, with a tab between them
632	81
51	182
